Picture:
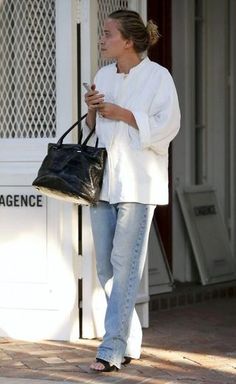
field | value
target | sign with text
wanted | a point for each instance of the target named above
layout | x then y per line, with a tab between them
208	234
22	200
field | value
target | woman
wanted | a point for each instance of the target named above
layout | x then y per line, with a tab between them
135	106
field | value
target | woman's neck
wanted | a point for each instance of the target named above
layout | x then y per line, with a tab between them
124	64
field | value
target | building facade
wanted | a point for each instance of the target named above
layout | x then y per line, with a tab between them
48	284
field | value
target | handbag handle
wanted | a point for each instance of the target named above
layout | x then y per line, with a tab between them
60	141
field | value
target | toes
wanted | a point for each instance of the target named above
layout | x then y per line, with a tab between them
97	366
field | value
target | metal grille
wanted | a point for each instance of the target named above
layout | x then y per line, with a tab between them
105	7
27	69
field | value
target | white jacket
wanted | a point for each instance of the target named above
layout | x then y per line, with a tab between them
137	164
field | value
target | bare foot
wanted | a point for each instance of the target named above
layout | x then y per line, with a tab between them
102	366
96	366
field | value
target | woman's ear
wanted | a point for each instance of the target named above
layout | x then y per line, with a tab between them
129	44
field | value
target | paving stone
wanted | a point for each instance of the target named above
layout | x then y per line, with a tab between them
33	363
53	360
4	356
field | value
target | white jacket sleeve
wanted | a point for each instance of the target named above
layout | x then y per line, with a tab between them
160	125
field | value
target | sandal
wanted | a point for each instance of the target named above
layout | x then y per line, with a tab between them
127	360
107	366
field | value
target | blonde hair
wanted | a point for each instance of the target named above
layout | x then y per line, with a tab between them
152	30
131	26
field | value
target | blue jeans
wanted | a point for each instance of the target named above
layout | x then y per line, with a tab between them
120	233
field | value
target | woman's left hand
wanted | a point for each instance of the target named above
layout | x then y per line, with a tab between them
110	111
115	112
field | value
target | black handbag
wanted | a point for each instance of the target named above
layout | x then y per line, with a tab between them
72	172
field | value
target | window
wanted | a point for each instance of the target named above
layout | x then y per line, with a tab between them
27	69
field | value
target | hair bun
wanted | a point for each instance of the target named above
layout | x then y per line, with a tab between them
152	31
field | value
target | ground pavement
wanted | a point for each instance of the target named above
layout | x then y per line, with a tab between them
189	345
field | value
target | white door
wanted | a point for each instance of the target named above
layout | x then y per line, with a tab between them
38	273
92	15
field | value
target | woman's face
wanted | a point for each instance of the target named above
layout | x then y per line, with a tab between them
113	45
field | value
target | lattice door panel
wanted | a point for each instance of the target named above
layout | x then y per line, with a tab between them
27	69
104	9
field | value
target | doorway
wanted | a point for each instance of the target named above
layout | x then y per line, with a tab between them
160	12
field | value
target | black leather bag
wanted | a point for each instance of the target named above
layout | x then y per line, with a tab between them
72	172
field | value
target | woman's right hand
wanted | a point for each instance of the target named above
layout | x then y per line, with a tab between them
93	98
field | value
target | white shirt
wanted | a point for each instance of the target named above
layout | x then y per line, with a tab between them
137	162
